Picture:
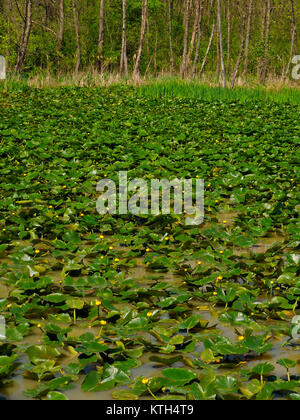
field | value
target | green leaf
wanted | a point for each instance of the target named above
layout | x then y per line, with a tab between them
179	375
56	396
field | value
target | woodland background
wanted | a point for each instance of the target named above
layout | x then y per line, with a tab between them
223	39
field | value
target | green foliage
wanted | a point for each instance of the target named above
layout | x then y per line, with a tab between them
208	306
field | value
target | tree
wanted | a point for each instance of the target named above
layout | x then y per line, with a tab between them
223	72
25	36
171	5
196	29
267	43
247	45
186	35
208	48
100	64
199	38
293	37
124	60
243	41
136	71
77	33
60	34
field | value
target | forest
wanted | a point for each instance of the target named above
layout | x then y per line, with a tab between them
221	39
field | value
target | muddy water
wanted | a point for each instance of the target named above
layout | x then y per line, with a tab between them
4	291
263	246
149	368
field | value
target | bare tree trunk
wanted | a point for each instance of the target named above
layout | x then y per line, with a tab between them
218	55
208	49
199	32
155	51
100	65
263	40
267	43
60	35
247	45
25	36
124	60
293	39
77	33
228	36
186	36
10	8
171	5
223	72
136	71
243	41
195	31
147	40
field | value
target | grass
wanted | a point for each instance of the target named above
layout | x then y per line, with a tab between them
187	89
167	87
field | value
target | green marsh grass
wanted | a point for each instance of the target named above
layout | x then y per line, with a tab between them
163	87
193	90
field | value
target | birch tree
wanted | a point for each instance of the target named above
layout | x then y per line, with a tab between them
136	72
61	29
186	35
243	41
223	72
124	60
77	33
248	35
